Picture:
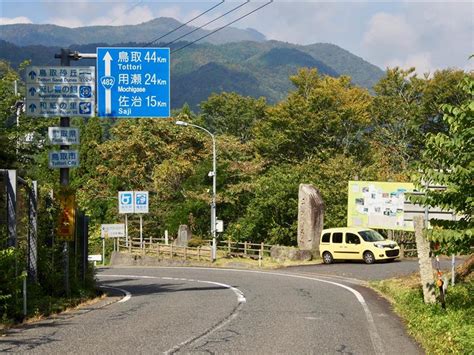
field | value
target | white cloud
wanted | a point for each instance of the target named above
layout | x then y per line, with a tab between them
300	22
126	15
11	21
66	22
420	61
116	15
390	32
171	11
428	36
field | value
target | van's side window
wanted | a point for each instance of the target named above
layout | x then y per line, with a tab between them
337	237
325	238
352	238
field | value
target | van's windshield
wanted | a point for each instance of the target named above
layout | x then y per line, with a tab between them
371	236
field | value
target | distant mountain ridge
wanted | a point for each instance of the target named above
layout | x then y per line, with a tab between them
250	68
35	34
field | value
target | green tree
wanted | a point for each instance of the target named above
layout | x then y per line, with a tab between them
231	113
397	115
324	115
271	214
404	109
7	114
448	161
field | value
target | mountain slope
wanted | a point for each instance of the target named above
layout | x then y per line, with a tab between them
248	68
34	34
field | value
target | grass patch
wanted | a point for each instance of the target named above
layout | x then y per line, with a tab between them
439	331
41	306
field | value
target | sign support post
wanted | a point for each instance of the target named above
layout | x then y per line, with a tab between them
64	172
141	231
126	230
103	251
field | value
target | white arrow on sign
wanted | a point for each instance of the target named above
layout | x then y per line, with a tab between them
108	93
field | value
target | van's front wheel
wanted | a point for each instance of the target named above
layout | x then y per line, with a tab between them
369	257
327	257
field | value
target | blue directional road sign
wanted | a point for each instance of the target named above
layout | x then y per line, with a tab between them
141	201
133	82
126	202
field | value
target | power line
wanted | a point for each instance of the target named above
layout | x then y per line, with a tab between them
208	23
184	24
128	10
220	28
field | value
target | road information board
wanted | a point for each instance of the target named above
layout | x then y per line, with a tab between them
112	230
377	204
64	159
63	135
60	91
133	82
386	205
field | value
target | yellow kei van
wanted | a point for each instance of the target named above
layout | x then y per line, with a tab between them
356	244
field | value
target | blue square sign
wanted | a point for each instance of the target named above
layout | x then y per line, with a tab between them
133	82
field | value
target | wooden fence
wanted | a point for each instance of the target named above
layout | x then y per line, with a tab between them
157	247
407	249
244	249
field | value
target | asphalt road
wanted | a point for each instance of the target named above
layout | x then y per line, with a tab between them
379	271
198	310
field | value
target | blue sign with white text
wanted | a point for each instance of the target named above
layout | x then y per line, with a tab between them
133	82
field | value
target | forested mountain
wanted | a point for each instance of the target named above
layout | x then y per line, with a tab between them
34	34
248	68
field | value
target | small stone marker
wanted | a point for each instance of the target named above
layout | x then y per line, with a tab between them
184	235
424	260
310	217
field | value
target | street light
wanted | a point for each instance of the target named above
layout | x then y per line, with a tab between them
212	173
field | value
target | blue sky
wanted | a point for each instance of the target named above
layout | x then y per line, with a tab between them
429	35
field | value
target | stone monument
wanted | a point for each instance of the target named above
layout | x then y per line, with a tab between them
310	217
184	235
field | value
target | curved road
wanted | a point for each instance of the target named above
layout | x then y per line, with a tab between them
199	310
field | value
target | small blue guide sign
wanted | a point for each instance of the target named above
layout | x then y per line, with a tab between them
133	82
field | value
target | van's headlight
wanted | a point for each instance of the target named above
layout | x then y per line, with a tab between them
379	245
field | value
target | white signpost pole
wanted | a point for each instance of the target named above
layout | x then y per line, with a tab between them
141	231
126	230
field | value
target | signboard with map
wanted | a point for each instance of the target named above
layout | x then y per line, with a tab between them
379	205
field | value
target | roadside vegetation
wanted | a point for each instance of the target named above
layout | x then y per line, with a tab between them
325	132
438	330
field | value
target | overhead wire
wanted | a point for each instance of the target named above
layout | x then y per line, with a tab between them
184	24
126	11
222	27
207	23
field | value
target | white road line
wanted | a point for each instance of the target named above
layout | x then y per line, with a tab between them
238	293
127	294
373	333
240	299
